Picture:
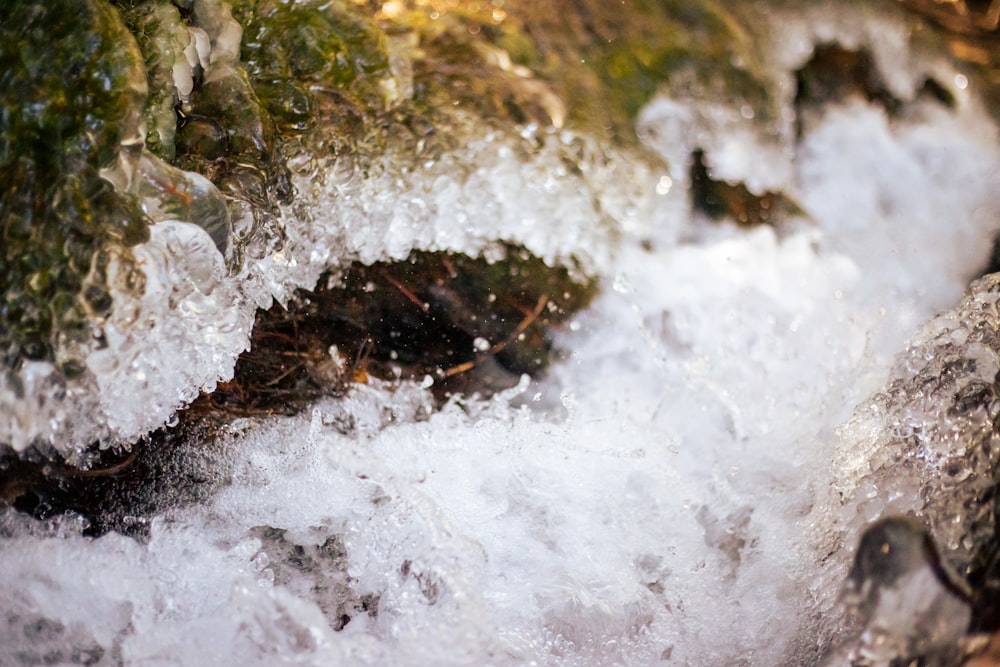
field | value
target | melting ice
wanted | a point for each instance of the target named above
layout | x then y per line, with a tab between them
672	493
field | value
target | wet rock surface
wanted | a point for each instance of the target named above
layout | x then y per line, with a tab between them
72	95
907	605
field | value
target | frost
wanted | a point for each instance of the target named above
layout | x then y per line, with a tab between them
501	186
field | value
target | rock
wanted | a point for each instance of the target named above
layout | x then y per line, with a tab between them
72	96
906	605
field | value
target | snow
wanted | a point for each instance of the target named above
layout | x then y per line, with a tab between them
682	489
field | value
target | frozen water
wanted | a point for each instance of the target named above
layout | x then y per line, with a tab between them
926	443
678	491
504	185
184	275
907	604
157	351
512	184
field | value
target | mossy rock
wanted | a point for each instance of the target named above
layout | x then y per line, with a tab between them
71	94
294	52
593	50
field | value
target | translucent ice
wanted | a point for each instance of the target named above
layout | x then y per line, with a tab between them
907	604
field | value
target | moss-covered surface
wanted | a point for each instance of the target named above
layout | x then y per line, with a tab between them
323	79
72	90
326	78
558	57
292	52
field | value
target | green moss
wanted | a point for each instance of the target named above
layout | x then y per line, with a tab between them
678	45
314	76
292	51
162	35
71	94
72	82
587	50
231	100
307	72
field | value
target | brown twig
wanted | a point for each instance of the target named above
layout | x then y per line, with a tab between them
528	320
98	472
406	292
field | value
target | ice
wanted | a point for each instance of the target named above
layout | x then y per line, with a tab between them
186	277
215	17
907	605
509	184
684	488
180	335
465	201
926	442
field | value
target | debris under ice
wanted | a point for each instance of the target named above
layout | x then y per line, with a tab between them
767	439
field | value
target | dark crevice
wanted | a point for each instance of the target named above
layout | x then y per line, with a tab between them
122	490
834	74
931	89
472	326
993	265
719	199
